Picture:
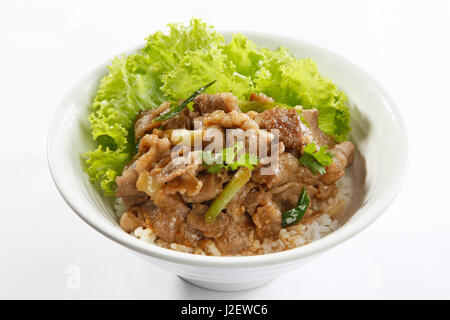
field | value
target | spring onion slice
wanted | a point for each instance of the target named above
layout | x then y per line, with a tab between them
176	110
295	214
239	179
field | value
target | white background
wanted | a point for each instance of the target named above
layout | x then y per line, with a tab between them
47	45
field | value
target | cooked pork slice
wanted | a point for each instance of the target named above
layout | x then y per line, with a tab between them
287	121
231	237
312	131
169	223
343	157
183	120
325	192
260	97
189	235
234	208
306	176
208	103
132	219
145	120
187	183
254	197
288	170
170	203
126	187
286	195
151	150
212	186
235	237
245	200
267	220
196	218
233	119
170	168
179	174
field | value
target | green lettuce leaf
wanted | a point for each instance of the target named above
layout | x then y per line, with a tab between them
203	66
130	86
103	165
166	50
173	64
244	54
298	82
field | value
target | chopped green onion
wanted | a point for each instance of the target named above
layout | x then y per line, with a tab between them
239	179
176	110
296	214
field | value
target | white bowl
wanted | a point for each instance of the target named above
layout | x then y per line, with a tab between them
378	132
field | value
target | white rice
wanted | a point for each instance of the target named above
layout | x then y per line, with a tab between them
289	238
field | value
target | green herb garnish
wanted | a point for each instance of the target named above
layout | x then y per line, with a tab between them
316	159
229	159
177	109
239	179
296	214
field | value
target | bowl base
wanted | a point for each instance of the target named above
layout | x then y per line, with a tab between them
226	286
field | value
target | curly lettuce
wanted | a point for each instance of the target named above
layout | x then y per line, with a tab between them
244	54
128	88
298	82
203	66
173	64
